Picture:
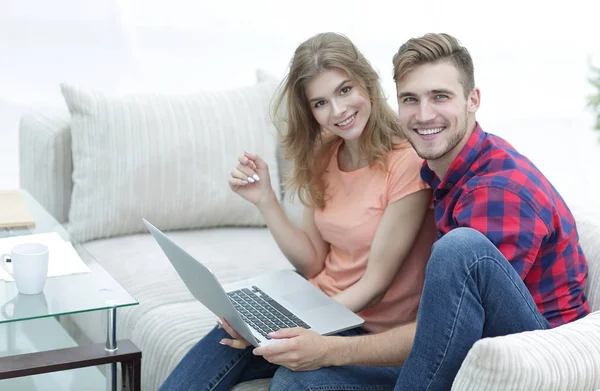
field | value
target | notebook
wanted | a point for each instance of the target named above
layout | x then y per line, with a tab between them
13	210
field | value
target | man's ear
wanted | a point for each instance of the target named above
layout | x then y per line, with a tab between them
474	100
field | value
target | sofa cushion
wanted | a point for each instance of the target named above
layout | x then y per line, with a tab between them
169	321
565	358
164	157
185	323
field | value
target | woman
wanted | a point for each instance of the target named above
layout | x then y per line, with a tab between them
367	228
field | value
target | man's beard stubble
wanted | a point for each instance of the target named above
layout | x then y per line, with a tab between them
455	139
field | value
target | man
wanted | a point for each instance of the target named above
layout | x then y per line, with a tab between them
507	259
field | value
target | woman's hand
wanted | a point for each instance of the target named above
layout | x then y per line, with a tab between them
238	342
250	179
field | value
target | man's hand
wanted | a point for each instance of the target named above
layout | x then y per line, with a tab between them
304	350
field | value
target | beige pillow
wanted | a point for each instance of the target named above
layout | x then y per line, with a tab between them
566	358
166	158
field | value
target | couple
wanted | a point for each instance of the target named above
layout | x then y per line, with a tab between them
495	253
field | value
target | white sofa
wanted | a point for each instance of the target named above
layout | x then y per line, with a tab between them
168	320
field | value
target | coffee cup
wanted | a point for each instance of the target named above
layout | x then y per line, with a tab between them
27	263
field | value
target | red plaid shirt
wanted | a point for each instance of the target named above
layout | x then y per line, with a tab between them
492	188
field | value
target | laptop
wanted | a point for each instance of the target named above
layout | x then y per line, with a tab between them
258	306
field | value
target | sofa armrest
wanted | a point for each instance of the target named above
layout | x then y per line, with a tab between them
45	162
588	227
563	358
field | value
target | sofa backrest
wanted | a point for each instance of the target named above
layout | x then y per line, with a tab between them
45	160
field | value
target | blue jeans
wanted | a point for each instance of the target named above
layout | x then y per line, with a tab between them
471	292
212	366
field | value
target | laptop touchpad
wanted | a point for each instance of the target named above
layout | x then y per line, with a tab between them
304	301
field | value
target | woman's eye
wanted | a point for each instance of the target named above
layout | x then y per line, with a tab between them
320	103
345	90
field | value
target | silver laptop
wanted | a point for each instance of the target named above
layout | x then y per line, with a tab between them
260	305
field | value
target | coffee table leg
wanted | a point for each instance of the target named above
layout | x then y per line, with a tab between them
111	346
131	373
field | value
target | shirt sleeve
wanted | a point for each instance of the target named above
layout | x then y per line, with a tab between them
507	220
404	176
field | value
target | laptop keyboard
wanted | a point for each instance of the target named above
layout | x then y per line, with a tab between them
263	313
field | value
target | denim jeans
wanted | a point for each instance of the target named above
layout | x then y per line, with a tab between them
212	366
471	292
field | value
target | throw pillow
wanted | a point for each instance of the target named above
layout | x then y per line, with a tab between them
166	158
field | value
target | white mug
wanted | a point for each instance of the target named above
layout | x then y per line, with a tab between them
28	265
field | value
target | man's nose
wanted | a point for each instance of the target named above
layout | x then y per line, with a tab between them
425	113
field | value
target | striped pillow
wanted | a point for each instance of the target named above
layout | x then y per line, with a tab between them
164	157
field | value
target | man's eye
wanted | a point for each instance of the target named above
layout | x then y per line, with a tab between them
409	100
320	103
345	90
441	96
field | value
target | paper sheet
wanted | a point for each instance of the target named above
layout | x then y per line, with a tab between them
62	257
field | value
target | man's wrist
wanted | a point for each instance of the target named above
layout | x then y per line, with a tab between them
334	356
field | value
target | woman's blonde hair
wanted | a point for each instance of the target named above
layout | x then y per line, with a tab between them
303	141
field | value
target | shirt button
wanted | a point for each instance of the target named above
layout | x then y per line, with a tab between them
439	234
449	186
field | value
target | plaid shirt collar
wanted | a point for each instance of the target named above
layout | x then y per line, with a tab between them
459	166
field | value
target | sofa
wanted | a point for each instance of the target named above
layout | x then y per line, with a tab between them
101	162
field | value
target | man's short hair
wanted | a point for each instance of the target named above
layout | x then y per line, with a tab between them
433	48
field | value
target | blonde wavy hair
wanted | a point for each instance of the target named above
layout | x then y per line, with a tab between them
303	140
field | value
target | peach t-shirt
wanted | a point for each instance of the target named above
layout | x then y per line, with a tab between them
349	222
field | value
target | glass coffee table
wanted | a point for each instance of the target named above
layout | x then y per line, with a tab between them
36	352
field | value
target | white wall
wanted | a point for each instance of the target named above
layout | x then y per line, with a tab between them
530	56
